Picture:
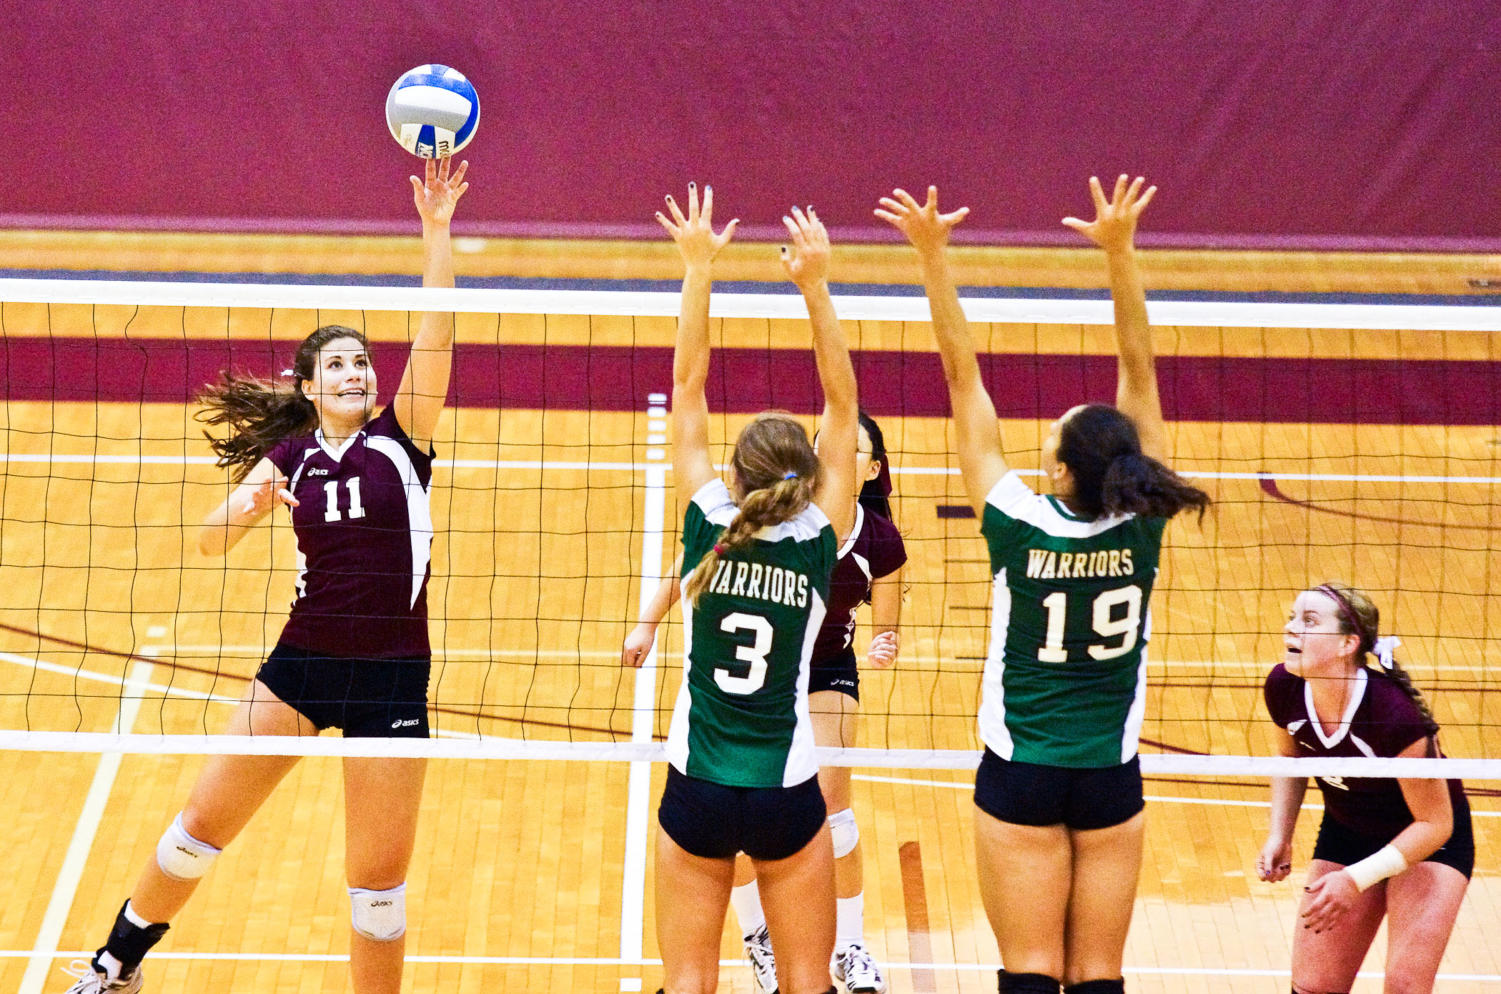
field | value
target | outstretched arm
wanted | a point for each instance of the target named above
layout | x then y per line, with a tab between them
1114	230
424	385
695	238
981	458
807	265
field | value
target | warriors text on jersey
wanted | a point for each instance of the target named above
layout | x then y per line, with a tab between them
741	717
873	550
364	537
1065	675
1379	720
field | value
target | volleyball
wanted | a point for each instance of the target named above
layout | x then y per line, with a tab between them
432	111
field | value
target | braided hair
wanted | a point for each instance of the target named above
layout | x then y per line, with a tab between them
1359	616
776	475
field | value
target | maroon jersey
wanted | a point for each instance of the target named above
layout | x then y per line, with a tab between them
364	538
1380	720
874	549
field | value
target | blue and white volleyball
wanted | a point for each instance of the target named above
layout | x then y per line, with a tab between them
432	111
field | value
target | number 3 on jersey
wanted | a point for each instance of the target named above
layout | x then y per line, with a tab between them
1102	619
754	654
331	492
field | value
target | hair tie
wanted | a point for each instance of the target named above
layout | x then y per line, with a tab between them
289	372
1383	649
718	549
789	475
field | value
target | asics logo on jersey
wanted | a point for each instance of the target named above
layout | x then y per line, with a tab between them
317	472
404	723
1046	564
767	583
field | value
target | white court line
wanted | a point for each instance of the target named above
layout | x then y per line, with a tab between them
1223	971
91	675
643	719
635	467
70	874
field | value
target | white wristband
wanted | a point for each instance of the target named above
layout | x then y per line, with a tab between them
1386	862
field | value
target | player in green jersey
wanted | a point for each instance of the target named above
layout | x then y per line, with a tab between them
755	580
1058	794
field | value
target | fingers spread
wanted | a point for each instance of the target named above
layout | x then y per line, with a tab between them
677	214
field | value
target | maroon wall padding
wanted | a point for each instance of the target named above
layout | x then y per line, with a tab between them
575	377
1286	123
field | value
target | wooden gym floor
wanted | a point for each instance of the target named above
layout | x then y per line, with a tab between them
526	876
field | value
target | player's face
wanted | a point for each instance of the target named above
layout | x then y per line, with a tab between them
343	384
1312	642
1051	467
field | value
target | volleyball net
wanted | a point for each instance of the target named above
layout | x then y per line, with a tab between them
1355	441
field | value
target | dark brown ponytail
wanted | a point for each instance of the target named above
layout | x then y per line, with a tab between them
1112	475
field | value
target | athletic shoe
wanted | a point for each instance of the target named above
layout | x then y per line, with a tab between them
93	982
763	961
854	968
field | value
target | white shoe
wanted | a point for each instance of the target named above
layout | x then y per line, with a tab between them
763	961
91	981
854	968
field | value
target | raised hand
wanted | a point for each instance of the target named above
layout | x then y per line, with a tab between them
694	234
1114	226
926	228
438	194
807	261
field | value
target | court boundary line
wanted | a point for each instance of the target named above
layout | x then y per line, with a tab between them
643	703
81	844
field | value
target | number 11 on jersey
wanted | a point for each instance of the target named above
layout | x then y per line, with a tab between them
331	508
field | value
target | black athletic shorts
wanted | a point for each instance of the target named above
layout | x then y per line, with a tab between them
841	673
367	698
1338	843
715	822
1029	794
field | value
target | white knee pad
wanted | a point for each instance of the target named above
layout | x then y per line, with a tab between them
379	915
845	832
181	856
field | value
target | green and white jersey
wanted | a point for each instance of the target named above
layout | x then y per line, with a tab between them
1065	677
741	717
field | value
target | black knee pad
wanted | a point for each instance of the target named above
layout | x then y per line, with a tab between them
1027	983
1116	986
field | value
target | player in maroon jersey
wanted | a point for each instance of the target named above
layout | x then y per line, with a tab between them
868	571
354	654
1402	848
